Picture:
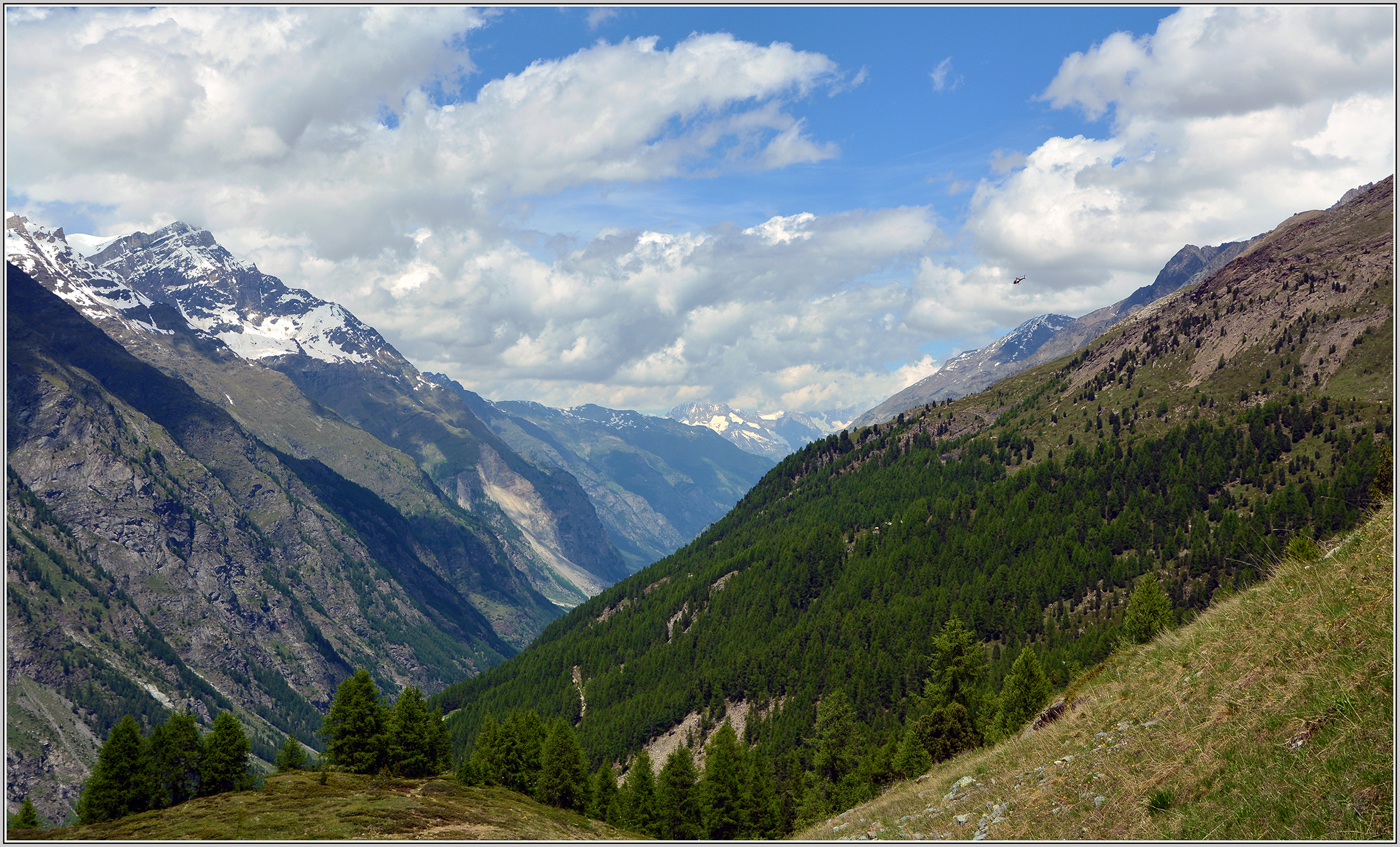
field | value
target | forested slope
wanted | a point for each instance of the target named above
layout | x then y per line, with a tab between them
1192	442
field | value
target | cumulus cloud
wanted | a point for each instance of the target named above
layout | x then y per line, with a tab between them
273	119
734	314
345	150
1224	122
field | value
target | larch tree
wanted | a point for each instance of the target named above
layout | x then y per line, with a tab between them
417	740
291	756
638	796
354	728
176	753
721	787
1023	693
122	781
1149	611
563	780
27	817
677	806
603	804
224	765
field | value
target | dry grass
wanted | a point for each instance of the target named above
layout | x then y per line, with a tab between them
1270	716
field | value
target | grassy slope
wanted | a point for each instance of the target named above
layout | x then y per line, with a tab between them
297	807
1270	716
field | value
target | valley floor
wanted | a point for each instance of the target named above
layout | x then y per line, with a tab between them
1268	717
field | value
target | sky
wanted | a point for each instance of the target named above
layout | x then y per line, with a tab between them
795	208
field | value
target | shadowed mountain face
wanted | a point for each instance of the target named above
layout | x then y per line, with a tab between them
164	558
1047	337
308	376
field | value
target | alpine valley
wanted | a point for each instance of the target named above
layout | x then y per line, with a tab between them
1198	439
227	495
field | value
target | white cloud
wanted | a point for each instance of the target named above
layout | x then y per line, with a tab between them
268	126
1224	122
939	75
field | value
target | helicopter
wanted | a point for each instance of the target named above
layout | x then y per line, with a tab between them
1017	280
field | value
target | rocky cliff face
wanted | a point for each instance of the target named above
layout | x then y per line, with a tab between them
345	396
163	558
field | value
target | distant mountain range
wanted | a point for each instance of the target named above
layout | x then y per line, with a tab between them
656	482
1047	337
774	434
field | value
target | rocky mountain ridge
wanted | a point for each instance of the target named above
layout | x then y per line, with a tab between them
1048	337
161	557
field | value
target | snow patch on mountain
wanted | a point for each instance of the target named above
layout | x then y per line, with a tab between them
89	245
770	434
47	256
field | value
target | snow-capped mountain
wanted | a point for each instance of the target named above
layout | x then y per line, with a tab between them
98	295
775	434
254	314
156	293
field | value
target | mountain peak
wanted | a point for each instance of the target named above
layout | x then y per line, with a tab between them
772	434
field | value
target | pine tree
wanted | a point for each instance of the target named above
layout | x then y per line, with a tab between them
721	788
518	747
638	797
291	757
354	729
563	780
1023	693
176	753
913	758
1149	611
27	817
677	807
602	804
417	740
224	765
956	667
762	811
122	781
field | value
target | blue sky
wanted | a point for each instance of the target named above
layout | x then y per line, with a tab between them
802	208
902	141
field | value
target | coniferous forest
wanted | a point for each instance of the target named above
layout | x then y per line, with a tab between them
837	587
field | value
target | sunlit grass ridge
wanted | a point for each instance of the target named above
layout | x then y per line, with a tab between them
1269	716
